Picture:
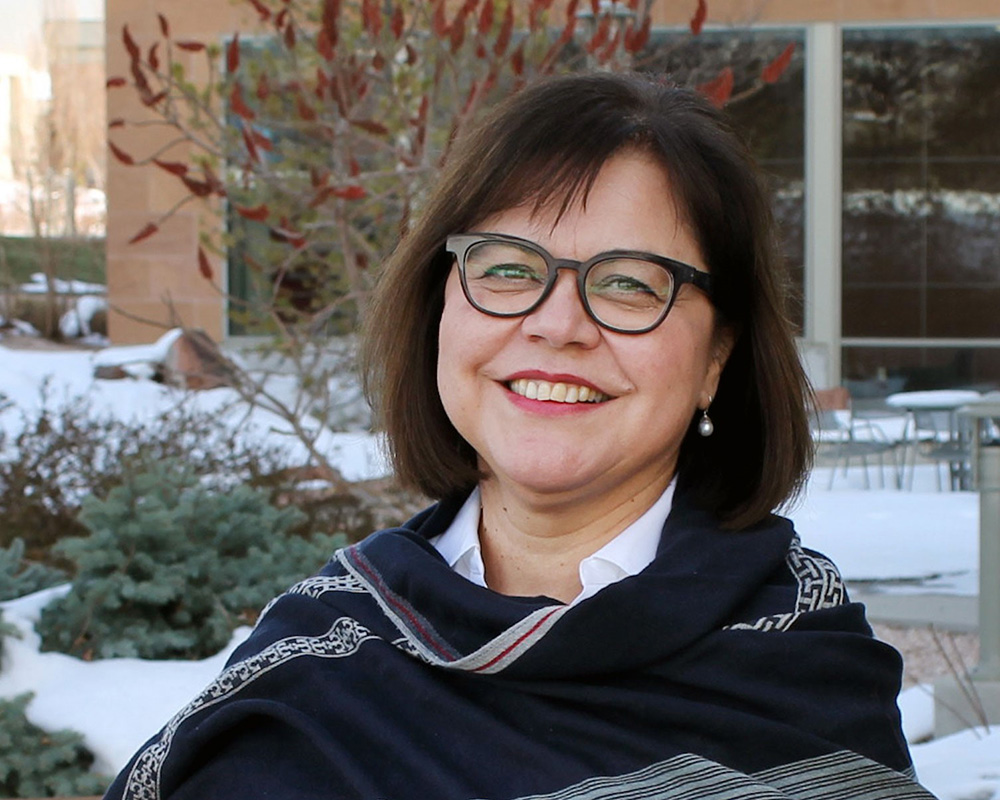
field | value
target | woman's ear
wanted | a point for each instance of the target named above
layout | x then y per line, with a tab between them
723	342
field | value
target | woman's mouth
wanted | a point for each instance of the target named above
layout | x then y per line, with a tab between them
535	389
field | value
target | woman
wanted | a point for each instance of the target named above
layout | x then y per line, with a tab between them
580	350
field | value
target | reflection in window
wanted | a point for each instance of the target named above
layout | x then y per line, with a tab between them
772	116
921	209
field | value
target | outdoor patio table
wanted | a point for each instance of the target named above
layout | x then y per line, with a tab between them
950	446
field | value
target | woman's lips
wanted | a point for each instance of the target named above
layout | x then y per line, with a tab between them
556	391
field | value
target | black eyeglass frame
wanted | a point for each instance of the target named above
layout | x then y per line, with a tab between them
458	244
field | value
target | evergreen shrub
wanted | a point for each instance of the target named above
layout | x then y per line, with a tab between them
37	763
6	629
171	566
19	577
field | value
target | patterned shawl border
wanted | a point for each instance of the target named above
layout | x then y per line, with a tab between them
404	616
494	656
819	586
343	639
317	586
838	776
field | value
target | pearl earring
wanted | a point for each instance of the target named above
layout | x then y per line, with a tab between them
705	425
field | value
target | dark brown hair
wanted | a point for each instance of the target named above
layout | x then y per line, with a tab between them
546	144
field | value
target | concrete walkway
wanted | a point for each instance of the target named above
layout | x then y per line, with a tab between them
949	611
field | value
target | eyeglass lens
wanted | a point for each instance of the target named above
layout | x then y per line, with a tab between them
625	293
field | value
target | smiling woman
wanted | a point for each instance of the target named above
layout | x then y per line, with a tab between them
580	351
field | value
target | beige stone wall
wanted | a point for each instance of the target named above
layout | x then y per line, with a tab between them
156	283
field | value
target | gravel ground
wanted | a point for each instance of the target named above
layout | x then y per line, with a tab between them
929	652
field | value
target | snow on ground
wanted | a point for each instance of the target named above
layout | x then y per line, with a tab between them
919	539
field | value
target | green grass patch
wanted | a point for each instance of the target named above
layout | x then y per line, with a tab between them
79	259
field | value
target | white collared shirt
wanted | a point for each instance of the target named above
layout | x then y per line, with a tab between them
629	553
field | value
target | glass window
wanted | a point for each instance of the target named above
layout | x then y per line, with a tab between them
921	209
772	116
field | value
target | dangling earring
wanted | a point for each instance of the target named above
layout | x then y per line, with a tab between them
705	425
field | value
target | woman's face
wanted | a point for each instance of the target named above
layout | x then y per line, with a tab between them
648	385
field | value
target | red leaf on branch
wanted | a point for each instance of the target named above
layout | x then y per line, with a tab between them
263	87
145	233
120	154
776	68
398	22
261	140
372	17
290	35
321	197
191	47
130	45
545	66
371	126
440	23
354	167
237	105
279	21
506	28
164	26
151	100
263	11
600	35
213	180
458	30
254	214
318	178
173	167
700	15
304	110
720	88
352	192
118	122
517	60
204	265
595	8
197	188
485	18
330	22
233	54
153	59
608	52
323	46
115	83
250	146
637	38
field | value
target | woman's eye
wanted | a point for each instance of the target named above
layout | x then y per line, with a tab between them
512	272
622	284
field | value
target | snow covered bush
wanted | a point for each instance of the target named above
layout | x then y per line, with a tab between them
66	451
172	566
37	763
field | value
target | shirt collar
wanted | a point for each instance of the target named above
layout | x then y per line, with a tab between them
629	553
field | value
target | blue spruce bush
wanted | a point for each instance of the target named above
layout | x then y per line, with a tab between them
18	577
170	567
37	763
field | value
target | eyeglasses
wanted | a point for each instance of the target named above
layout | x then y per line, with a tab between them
625	291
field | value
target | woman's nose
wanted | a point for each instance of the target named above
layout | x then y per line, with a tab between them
562	319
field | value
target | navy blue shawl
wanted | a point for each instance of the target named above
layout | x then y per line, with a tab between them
733	666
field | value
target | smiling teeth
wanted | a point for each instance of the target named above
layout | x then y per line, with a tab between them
556	392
